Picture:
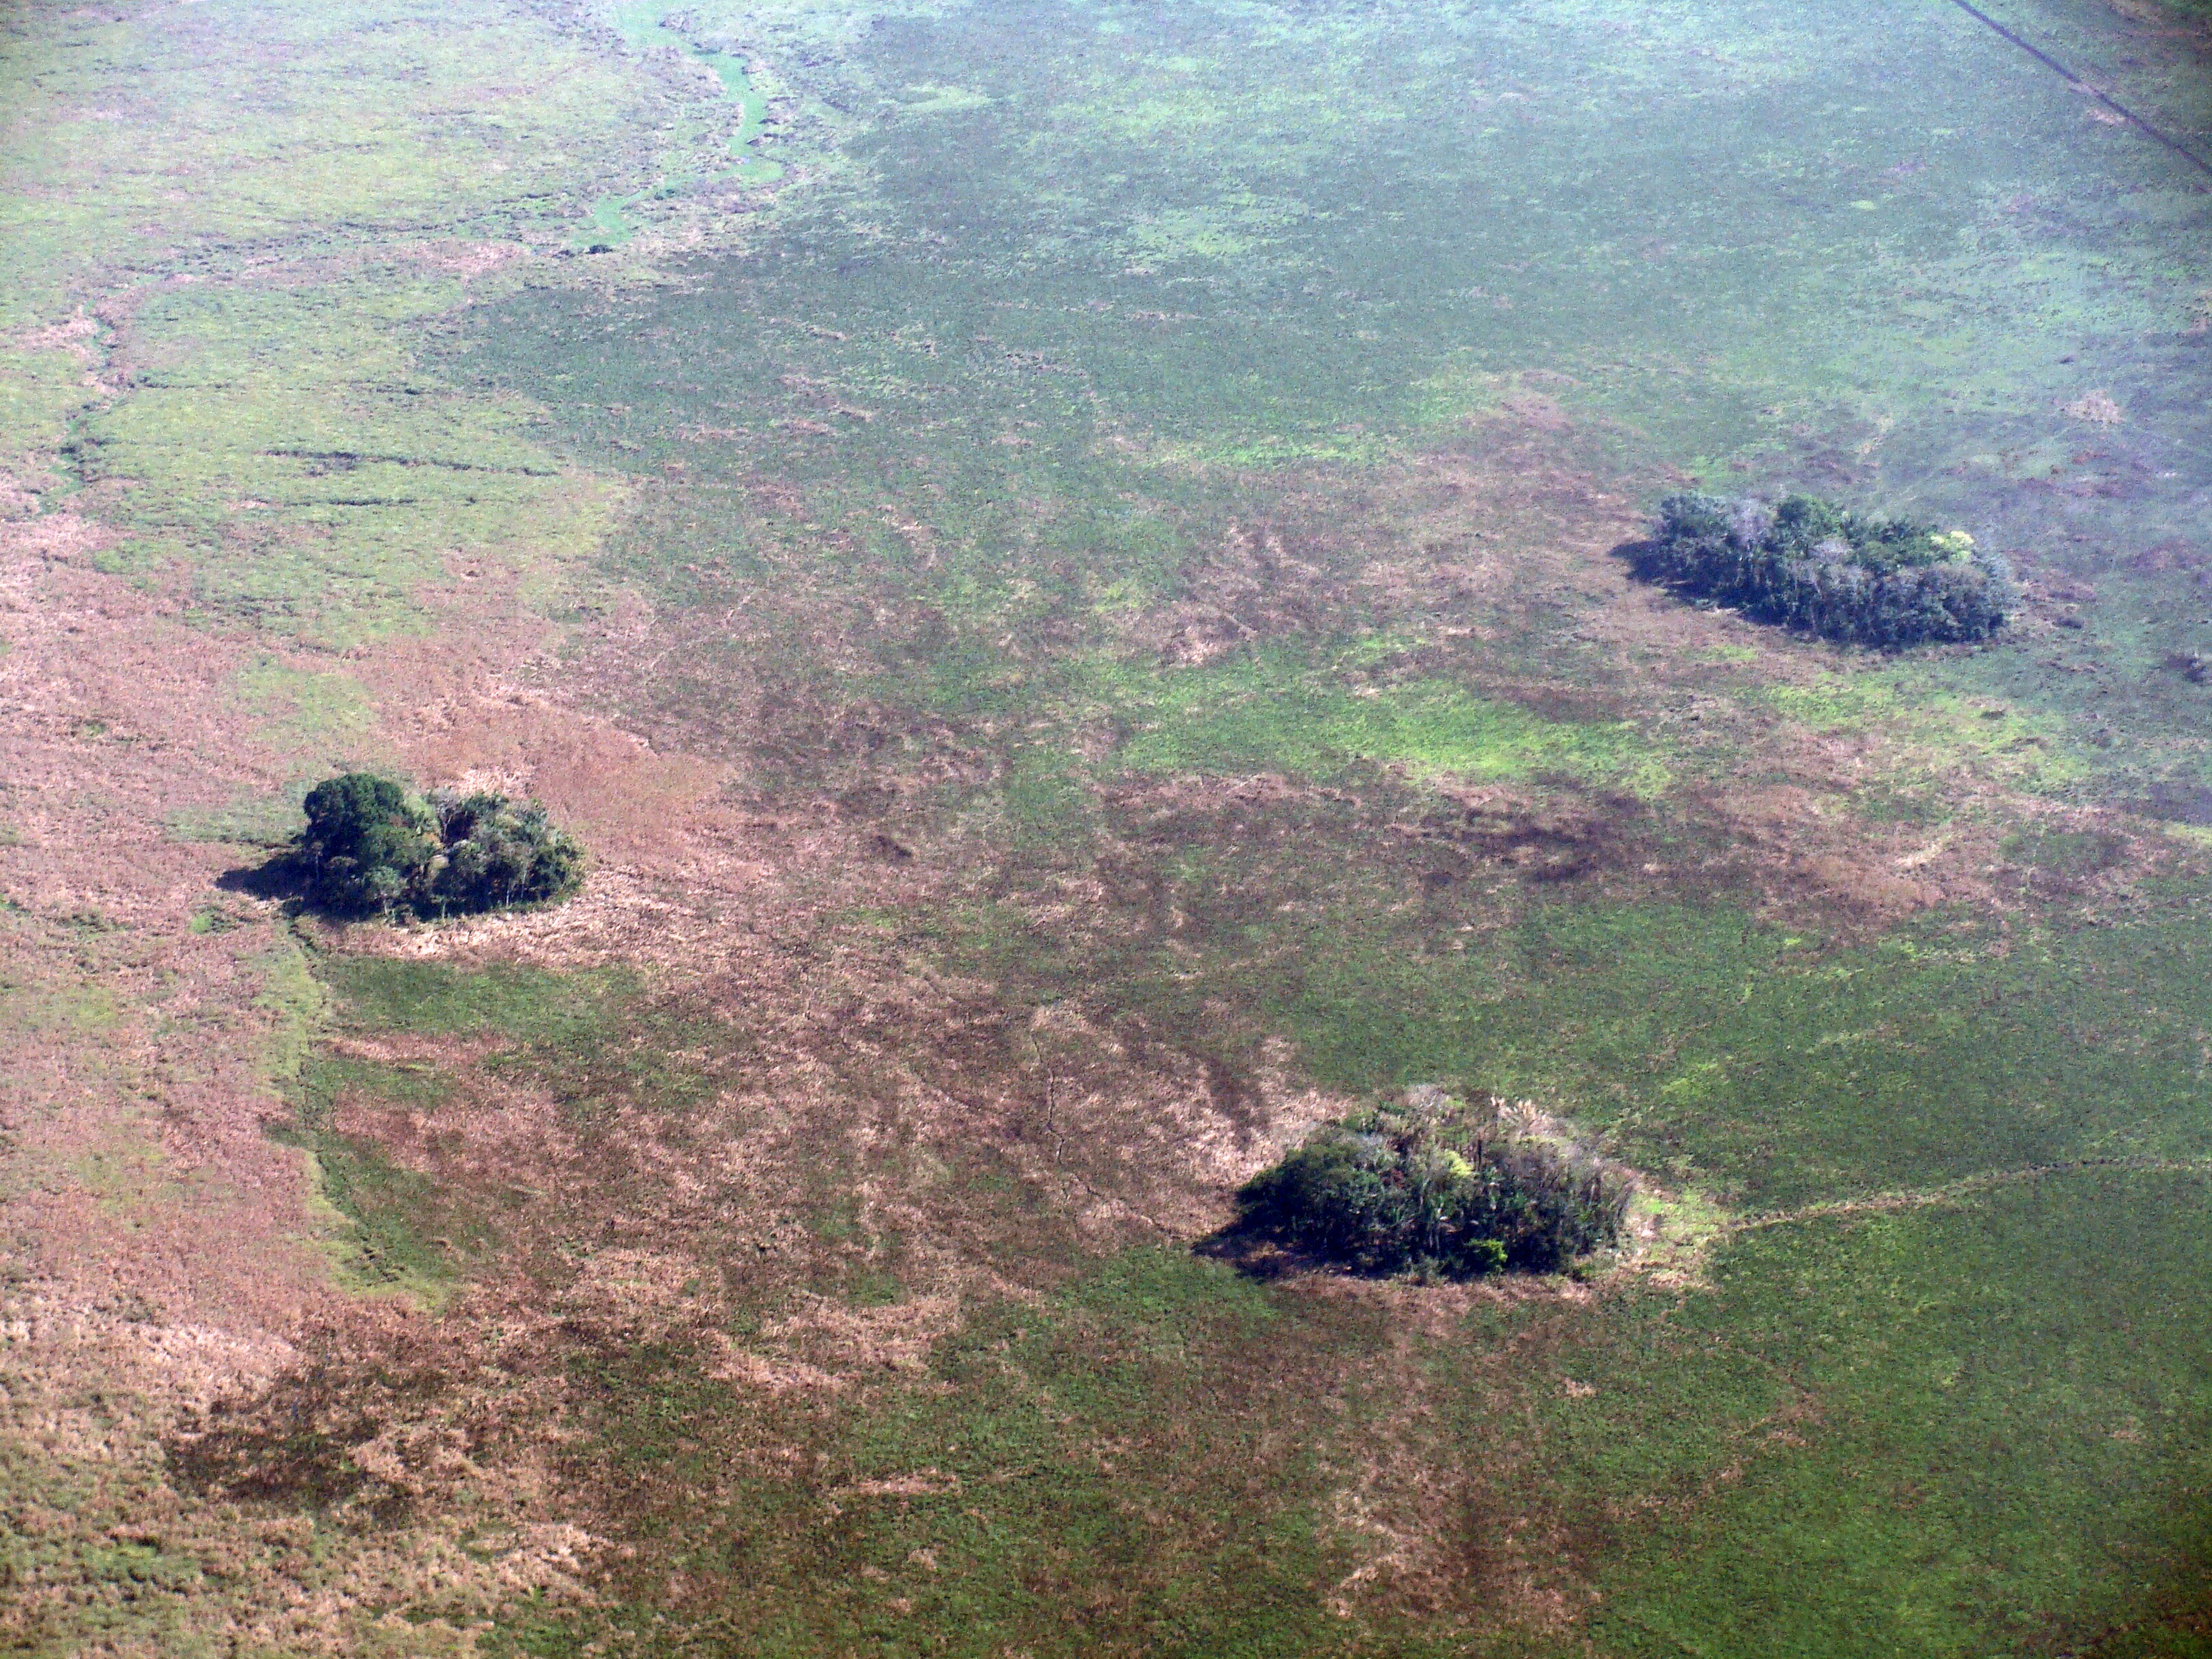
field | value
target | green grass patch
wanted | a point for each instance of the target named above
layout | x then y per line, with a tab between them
284	453
296	709
1939	728
388	1227
2074	852
1946	1427
379	1225
1708	1046
1275	711
245	820
523	1005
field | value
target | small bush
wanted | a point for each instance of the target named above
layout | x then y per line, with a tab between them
1810	564
1442	1186
371	848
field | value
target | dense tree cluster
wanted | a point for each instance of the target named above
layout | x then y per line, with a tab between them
1810	564
1440	1186
370	846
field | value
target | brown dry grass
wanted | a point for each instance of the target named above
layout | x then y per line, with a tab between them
160	1244
115	717
819	1053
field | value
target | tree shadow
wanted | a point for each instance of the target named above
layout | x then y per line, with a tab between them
1642	555
1257	1252
282	879
1253	1253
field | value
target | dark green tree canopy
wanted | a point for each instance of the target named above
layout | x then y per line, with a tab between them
371	846
1809	564
344	810
1440	1184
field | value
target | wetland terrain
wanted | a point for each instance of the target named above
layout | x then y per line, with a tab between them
1072	568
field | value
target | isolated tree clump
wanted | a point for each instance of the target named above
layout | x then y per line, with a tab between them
1439	1186
1809	564
371	848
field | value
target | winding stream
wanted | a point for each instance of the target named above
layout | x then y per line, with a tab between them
639	21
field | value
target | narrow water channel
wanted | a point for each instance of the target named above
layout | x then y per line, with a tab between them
642	27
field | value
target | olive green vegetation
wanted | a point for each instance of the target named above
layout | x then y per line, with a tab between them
392	1228
1024	1522
214	338
522	1004
1782	1072
291	464
1317	715
296	130
593	1039
1149	278
1773	1070
1058	414
1939	1355
1926	1430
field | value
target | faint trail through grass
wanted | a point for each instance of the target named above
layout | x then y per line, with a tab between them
1965	1186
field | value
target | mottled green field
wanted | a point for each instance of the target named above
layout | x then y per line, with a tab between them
1063	557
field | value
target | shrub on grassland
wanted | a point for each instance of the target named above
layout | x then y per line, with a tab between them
1439	1185
371	846
1809	564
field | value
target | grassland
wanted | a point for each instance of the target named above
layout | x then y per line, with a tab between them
1076	608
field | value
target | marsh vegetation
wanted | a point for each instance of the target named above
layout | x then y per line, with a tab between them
1091	602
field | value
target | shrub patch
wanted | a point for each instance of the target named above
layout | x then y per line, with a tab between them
1443	1186
370	846
1810	564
